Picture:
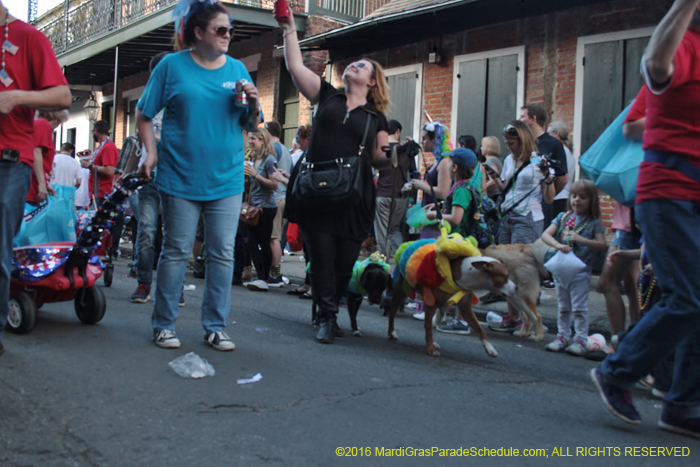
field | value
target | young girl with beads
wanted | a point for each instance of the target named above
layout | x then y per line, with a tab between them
578	230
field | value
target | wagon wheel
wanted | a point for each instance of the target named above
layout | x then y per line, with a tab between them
108	274
90	305
21	318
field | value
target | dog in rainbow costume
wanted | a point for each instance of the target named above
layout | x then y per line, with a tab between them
445	272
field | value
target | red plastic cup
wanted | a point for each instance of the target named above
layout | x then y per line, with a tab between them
281	10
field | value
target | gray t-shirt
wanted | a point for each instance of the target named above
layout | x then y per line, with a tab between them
284	162
497	165
260	192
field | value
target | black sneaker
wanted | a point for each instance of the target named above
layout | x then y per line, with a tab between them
275	281
142	294
548	285
682	426
492	298
166	339
618	401
182	299
220	341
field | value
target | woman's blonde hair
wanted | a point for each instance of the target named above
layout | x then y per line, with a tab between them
588	188
518	129
562	132
263	135
379	93
490	146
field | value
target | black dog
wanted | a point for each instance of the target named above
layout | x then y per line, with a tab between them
374	281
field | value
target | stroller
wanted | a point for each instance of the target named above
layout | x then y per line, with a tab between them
63	271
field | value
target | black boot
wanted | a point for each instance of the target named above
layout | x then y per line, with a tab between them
326	333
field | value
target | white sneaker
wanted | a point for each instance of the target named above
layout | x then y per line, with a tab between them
557	345
258	285
420	316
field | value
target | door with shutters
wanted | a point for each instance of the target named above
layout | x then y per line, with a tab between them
611	79
607	79
287	107
489	91
405	84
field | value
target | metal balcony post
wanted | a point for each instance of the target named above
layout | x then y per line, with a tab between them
116	79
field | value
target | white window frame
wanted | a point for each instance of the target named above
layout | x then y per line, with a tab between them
578	90
520	96
418	69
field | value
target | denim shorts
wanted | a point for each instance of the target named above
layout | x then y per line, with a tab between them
626	240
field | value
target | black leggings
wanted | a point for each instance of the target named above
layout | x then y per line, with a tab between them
332	259
258	243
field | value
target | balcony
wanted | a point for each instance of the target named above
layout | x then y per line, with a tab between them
79	22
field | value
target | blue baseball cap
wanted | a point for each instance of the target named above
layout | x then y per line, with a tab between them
463	158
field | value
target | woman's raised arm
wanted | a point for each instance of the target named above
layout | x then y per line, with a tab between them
306	81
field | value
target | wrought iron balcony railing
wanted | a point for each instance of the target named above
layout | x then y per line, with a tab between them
81	21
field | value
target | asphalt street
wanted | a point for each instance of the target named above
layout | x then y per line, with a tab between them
103	395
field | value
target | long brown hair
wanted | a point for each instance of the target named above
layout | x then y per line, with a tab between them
517	129
379	93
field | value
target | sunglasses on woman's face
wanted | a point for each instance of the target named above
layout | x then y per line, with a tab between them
510	131
359	64
222	30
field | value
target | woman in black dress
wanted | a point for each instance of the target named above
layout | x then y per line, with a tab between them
334	237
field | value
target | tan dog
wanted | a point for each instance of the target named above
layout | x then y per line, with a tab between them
525	264
470	273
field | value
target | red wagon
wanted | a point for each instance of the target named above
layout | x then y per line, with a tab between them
64	271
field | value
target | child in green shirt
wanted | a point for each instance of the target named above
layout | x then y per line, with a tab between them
458	213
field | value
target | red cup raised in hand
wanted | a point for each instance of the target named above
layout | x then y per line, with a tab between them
281	10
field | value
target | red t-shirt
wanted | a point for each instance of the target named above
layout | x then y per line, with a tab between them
107	156
639	108
33	67
43	138
673	126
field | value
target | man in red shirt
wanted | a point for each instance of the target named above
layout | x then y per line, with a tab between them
44	151
668	193
30	79
106	158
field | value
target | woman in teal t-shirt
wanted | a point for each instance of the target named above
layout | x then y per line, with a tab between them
200	162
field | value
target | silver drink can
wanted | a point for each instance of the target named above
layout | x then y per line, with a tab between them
241	98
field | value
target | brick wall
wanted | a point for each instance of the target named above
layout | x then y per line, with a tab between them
550	44
125	84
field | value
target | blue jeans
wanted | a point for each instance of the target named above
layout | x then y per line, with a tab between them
134	204
670	229
180	218
149	205
14	185
516	228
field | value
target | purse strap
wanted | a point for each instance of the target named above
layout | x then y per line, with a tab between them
362	143
510	182
364	136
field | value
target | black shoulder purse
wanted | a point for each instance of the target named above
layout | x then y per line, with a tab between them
331	185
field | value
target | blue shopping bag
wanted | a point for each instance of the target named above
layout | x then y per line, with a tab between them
52	221
612	162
